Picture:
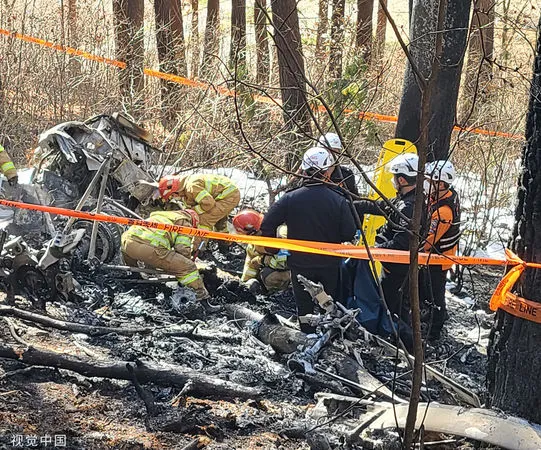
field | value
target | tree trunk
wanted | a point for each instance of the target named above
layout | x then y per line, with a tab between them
363	31
295	107
237	52
171	50
322	27
381	31
514	364
212	40
261	42
194	39
446	75
337	38
480	54
128	16
72	22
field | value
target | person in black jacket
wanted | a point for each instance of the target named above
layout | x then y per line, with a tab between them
313	212
341	175
394	234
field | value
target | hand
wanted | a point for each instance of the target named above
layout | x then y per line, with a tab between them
13	181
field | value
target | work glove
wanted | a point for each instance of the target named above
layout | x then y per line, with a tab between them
13	181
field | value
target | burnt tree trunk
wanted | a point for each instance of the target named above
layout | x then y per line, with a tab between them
446	73
514	364
194	39
130	49
212	42
363	31
237	51
171	50
480	54
296	110
261	42
337	38
381	31
322	27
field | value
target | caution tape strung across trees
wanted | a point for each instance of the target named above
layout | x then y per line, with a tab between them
222	90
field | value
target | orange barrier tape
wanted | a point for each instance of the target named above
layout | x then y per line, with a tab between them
322	248
225	91
520	307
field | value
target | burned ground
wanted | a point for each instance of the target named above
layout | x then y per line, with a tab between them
98	413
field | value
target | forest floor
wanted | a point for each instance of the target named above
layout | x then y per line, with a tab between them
51	405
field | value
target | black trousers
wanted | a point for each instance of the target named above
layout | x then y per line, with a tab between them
394	282
329	277
433	293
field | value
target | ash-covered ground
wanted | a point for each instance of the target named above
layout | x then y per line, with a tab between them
99	413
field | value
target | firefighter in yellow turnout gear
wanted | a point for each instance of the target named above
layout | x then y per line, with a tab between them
213	197
165	250
259	266
7	167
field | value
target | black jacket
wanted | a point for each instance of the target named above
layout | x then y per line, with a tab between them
313	212
394	233
344	176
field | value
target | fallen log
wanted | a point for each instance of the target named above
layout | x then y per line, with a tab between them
162	374
286	340
91	330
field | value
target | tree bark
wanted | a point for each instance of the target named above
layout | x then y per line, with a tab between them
381	31
261	42
171	51
337	38
322	27
514	364
296	110
446	77
194	39
130	49
480	54
237	52
211	42
160	374
363	31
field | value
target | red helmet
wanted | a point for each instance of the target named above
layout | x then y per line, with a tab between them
247	221
168	186
195	217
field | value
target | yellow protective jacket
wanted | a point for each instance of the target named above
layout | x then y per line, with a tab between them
6	164
257	259
202	191
170	240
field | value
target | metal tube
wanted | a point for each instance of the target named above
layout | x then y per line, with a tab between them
123	208
132	269
86	194
95	224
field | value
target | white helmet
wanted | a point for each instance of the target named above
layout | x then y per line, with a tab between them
406	164
330	140
317	158
441	170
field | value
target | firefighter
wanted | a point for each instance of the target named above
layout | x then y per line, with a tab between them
312	212
213	197
342	176
394	234
10	172
261	267
443	237
166	250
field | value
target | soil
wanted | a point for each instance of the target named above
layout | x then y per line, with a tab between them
95	413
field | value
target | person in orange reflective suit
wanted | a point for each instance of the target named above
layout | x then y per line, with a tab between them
443	238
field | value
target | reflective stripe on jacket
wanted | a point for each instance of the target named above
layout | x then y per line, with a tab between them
6	164
163	238
202	191
256	259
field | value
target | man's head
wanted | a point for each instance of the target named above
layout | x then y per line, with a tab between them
318	162
439	176
330	141
404	168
